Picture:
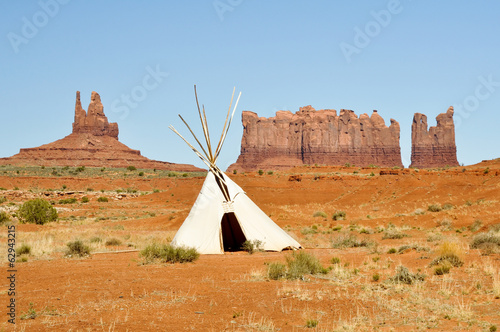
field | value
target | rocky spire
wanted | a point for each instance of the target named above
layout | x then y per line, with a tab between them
94	121
434	147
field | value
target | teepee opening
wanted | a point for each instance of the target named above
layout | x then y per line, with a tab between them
232	234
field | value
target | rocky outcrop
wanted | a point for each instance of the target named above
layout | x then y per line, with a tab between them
317	137
94	121
93	143
434	147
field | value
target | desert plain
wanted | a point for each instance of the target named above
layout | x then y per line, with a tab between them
363	225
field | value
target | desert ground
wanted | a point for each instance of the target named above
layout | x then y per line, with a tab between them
394	218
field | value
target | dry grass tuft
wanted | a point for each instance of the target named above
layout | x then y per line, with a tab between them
450	252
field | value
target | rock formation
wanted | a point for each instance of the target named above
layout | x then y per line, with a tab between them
317	137
94	121
93	143
434	147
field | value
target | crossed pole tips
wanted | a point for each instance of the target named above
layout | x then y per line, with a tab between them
209	157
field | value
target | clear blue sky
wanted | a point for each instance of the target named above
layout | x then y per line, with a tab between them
399	57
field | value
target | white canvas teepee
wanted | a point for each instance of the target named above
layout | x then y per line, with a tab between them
223	217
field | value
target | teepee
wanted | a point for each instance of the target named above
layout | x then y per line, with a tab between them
223	217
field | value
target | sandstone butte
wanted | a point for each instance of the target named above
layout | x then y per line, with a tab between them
317	137
434	147
93	143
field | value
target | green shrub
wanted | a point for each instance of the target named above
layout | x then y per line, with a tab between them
113	242
131	168
169	254
310	323
339	215
308	230
335	260
77	248
448	206
320	214
252	246
24	249
102	199
487	242
85	199
302	263
392	251
297	265
477	224
404	276
349	241
95	239
376	277
270	173
393	233
80	169
235	171
442	268
67	201
261	172
37	211
141	173
434	208
276	271
4	217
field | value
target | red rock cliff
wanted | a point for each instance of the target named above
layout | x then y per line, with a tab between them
434	147
317	137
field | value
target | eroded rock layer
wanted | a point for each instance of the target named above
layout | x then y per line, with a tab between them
434	147
93	143
317	137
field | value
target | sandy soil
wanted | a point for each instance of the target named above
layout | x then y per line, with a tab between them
115	291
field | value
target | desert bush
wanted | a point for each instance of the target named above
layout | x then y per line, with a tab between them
95	239
252	246
260	172
320	214
3	199
37	211
393	233
276	271
418	212
349	241
448	206
445	224
4	217
310	323
169	254
131	168
449	252
302	263
392	251
102	199
335	260
297	265
24	249
434	208
77	248
113	242
486	242
339	215
141	174
477	224
442	268
85	199
67	201
404	276
308	230
376	277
